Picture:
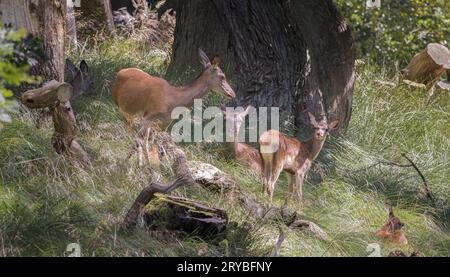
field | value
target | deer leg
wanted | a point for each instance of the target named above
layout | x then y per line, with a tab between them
290	178
275	174
267	176
151	150
147	150
139	140
300	177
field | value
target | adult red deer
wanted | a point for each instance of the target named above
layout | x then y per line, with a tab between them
243	153
280	152
137	94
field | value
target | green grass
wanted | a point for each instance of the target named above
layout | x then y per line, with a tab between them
47	203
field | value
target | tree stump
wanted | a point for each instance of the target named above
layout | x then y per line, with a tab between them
56	96
428	66
172	213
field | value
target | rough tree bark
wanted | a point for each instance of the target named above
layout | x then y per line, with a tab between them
296	55
44	19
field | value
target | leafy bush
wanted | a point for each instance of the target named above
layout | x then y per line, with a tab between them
399	29
17	53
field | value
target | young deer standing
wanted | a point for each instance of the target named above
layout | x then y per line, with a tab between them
243	153
137	94
280	152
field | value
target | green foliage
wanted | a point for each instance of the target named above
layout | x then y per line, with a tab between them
17	52
399	29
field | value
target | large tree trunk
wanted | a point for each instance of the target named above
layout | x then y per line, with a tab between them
44	19
296	55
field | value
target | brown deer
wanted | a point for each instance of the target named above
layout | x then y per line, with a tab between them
243	153
280	152
80	78
137	94
393	230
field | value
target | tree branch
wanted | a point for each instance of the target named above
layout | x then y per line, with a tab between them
147	195
425	183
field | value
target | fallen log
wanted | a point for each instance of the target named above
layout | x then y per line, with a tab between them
146	195
56	96
212	178
172	213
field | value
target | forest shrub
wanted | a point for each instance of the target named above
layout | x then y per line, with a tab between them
399	29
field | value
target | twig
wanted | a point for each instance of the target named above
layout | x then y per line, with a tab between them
276	250
425	183
426	188
377	164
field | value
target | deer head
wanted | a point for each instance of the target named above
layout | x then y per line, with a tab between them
234	120
216	79
80	78
322	128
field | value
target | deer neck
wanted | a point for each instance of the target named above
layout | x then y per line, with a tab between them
186	95
233	143
314	146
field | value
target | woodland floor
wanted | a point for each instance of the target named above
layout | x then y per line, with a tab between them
47	203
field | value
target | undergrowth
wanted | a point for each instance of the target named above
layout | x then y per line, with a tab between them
46	202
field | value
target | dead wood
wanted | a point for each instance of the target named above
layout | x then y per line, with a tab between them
426	190
311	227
429	65
213	179
186	215
146	195
56	96
276	249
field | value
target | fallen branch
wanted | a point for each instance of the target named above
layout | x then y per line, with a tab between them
179	166
310	226
426	188
276	249
213	179
377	164
147	195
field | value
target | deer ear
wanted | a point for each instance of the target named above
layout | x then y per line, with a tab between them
215	61
84	68
73	70
334	124
312	119
203	58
